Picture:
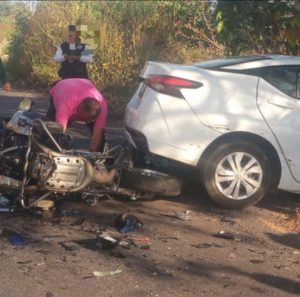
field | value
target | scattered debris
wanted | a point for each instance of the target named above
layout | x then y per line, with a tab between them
165	238
18	240
124	244
89	230
231	256
207	245
184	215
126	223
52	237
5	204
225	235
231	221
113	240
256	261
99	274
70	212
105	241
68	247
162	272
24	262
139	241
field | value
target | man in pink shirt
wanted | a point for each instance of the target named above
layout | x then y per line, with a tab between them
77	99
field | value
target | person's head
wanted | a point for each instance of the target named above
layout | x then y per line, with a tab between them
72	36
89	109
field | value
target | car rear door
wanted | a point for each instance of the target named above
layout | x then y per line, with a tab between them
278	100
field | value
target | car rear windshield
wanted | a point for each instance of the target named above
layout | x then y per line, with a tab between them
214	64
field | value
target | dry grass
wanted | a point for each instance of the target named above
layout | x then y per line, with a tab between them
5	30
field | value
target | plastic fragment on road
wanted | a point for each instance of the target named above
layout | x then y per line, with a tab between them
18	240
207	245
225	235
99	274
105	241
184	215
126	223
5	204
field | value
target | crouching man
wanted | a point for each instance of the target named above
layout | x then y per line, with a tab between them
77	99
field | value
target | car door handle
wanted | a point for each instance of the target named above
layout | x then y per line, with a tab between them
283	103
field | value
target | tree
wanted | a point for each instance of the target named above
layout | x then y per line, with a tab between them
257	26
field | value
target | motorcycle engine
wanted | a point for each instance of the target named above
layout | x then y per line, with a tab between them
60	174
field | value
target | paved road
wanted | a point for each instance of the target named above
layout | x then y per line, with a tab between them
9	101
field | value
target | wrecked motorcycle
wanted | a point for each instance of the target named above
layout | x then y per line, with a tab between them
37	161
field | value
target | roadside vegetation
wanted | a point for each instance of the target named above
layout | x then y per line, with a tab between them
128	33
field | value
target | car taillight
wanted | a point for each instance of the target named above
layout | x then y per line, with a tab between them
171	85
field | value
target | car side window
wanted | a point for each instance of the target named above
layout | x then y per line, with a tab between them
286	80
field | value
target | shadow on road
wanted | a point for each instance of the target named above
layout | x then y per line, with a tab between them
290	240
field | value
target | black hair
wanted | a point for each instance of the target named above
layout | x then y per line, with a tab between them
91	106
72	28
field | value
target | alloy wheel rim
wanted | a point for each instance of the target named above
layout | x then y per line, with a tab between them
238	175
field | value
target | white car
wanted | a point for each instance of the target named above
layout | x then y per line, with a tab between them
235	119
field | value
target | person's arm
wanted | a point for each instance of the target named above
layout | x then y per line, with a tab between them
62	118
59	57
99	127
96	139
86	55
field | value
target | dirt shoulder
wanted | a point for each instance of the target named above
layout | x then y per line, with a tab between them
183	258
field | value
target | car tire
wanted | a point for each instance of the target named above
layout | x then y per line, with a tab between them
237	175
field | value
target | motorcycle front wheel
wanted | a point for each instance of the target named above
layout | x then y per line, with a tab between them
150	181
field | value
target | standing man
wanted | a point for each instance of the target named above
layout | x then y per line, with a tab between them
77	99
5	84
73	56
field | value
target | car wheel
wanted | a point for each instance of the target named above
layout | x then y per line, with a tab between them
237	175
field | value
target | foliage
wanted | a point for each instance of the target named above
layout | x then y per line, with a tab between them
258	26
132	32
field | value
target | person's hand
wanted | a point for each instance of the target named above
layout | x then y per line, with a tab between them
7	87
71	58
68	57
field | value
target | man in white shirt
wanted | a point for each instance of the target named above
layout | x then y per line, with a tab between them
73	56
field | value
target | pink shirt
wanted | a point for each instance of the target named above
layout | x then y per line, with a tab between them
69	93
